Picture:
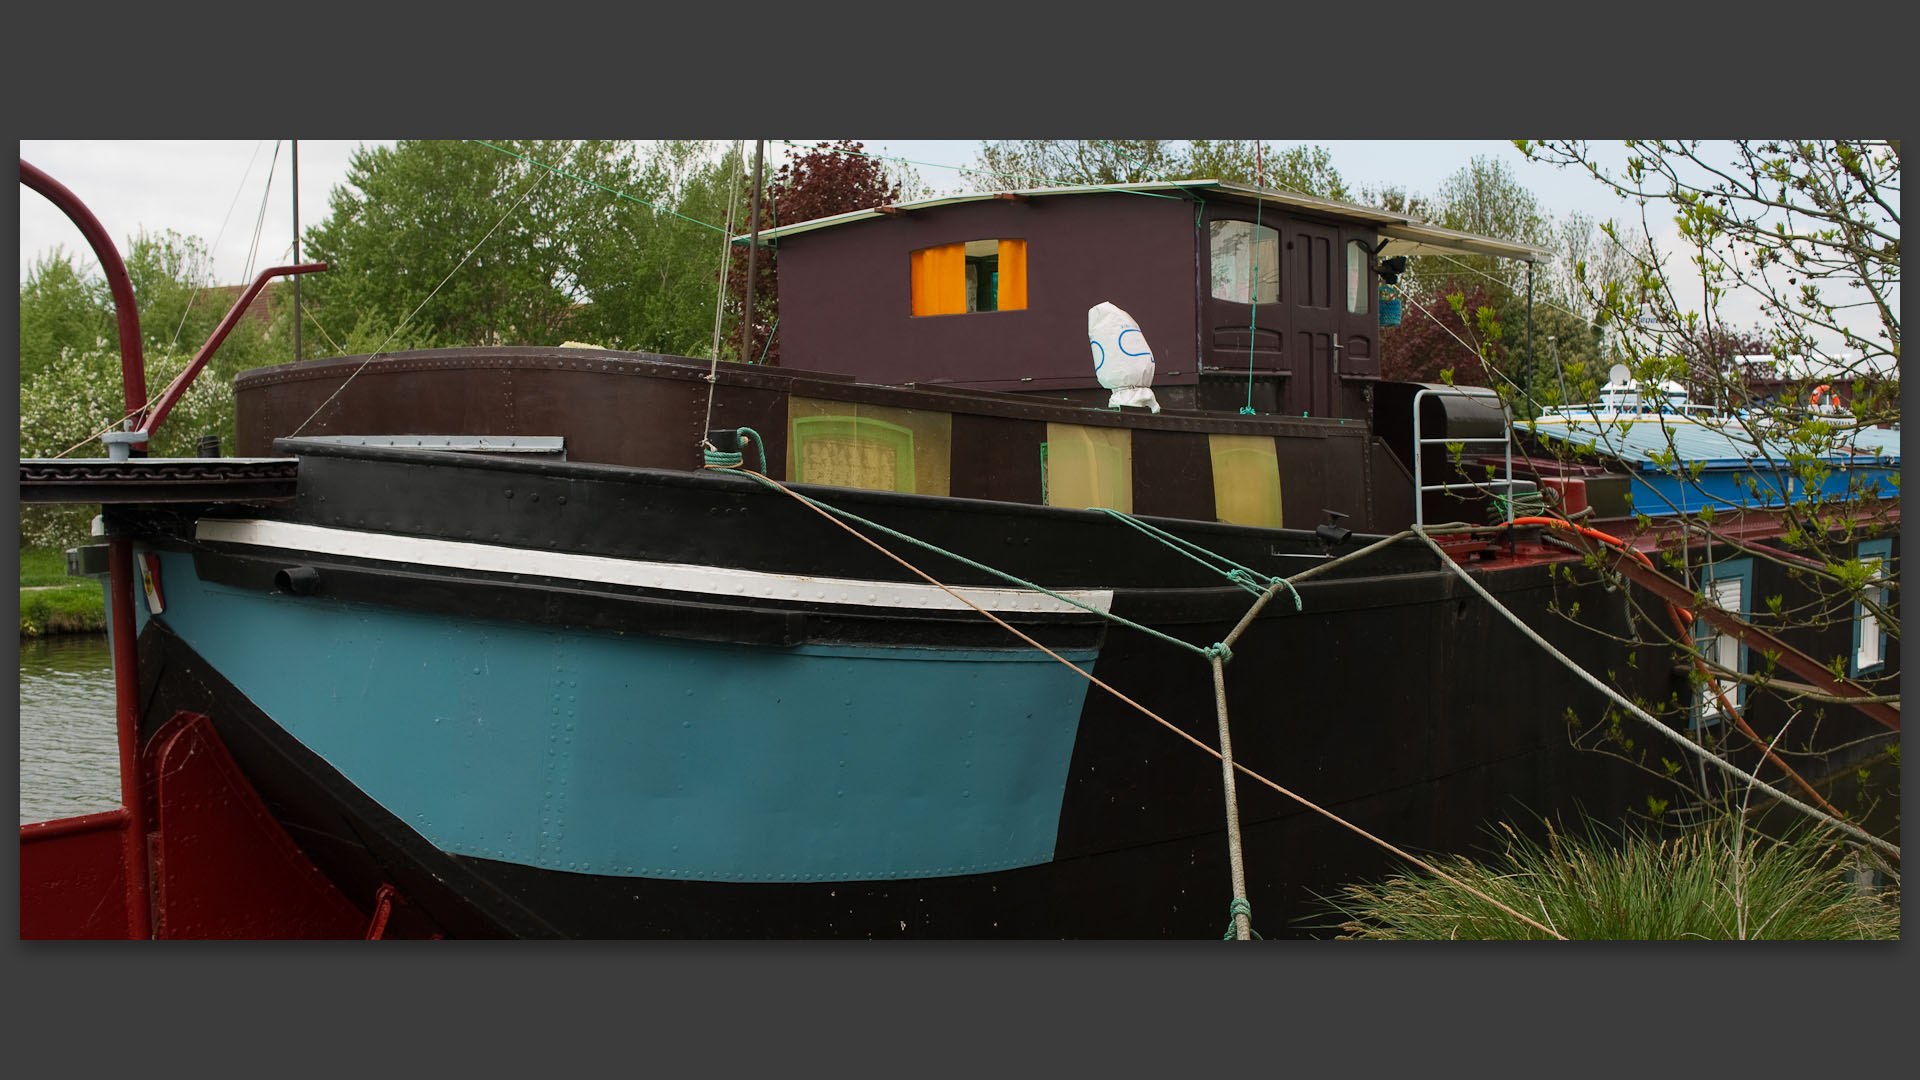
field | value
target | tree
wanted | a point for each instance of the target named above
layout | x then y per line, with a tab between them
473	245
648	262
829	179
1306	169
1028	163
1810	231
1545	343
1810	227
1456	339
1035	163
60	309
71	383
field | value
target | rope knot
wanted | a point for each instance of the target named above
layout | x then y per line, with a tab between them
1297	605
1239	907
1218	651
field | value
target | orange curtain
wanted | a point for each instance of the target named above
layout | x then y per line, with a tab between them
940	280
1013	275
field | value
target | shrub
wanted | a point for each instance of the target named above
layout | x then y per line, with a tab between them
1718	881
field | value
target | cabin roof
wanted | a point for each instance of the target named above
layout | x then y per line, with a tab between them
1405	235
1643	443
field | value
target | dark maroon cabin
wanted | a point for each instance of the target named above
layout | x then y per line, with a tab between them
1311	342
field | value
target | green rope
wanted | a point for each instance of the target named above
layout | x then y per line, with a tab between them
1236	909
1253	314
984	568
1151	171
763	349
1249	579
722	459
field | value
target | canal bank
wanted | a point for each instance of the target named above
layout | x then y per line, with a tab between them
52	603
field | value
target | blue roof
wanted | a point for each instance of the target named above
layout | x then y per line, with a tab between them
1729	444
1734	463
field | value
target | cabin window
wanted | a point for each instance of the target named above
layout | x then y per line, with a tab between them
1869	640
1356	278
1726	585
1240	250
1085	467
1246	480
978	275
868	446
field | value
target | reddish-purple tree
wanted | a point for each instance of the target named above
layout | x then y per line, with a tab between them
825	180
1421	347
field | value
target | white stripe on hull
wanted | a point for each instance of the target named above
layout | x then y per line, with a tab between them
674	577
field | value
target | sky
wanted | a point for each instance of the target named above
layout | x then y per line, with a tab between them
216	189
227	192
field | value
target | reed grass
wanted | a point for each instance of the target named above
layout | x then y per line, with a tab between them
1716	882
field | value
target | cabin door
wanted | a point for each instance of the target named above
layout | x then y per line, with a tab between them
1359	317
1243	294
1312	252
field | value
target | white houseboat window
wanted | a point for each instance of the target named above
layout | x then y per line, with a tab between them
1869	640
1725	586
1240	249
1356	278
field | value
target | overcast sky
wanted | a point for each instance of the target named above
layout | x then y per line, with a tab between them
219	190
216	189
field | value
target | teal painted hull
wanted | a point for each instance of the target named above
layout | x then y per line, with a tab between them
627	754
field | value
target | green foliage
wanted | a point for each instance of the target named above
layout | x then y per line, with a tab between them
1719	882
71	387
43	566
60	309
1033	163
1306	169
410	214
1015	163
71	609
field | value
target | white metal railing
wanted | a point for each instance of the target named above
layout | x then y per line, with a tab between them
1420	489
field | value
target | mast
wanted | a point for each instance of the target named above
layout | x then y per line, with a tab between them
753	249
296	249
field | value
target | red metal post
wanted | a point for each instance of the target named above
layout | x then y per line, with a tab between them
126	689
133	370
178	386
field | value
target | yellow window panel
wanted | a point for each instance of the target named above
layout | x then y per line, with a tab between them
1013	275
868	446
1088	467
940	280
1246	480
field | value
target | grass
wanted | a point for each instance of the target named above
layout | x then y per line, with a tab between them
44	566
1714	882
53	603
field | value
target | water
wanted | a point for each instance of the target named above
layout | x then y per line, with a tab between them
69	757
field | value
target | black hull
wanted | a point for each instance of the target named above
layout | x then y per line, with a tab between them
1375	702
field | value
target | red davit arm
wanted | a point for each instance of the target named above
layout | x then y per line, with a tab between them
178	386
133	371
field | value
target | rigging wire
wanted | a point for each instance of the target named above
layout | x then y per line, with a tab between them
217	237
253	251
375	354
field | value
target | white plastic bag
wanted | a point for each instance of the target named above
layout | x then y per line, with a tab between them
1121	358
